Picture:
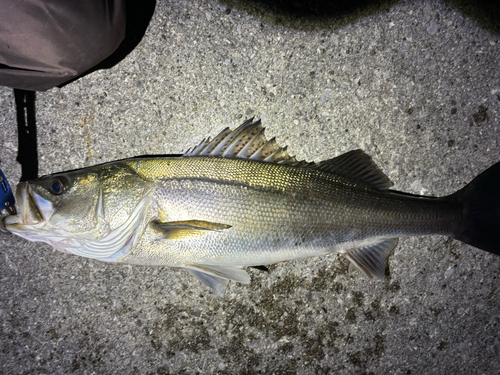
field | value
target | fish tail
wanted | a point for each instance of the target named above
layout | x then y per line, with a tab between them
480	225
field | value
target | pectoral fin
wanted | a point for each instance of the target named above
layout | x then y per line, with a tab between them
371	259
174	230
216	277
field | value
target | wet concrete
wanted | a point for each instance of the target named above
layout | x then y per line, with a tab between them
417	87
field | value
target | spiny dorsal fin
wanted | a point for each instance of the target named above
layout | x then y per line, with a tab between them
358	166
248	142
245	142
371	259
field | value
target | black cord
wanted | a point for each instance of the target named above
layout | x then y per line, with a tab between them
27	154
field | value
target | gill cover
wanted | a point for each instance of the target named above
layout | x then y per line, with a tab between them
45	207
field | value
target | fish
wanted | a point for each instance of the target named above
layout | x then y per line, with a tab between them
240	200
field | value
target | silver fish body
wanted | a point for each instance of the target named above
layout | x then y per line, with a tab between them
275	213
238	200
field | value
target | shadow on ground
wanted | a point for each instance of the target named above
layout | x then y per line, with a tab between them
325	14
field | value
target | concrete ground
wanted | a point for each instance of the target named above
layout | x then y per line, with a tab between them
416	86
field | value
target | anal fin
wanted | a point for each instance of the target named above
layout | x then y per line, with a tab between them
371	259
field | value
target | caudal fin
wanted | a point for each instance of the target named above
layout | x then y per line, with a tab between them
480	226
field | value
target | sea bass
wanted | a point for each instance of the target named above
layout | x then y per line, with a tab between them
240	200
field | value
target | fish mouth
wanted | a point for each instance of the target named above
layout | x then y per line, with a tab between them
32	219
21	193
33	209
12	220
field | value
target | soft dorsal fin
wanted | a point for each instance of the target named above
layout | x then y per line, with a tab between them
358	166
245	142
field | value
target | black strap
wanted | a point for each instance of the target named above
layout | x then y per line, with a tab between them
26	126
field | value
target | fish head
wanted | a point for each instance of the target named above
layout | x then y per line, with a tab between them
98	209
64	200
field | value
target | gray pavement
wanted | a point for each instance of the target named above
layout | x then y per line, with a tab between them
417	87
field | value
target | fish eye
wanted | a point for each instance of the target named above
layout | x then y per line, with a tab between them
57	186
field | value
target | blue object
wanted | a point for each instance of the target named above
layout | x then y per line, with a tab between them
7	200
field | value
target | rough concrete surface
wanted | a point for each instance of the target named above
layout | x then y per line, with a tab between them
417	87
